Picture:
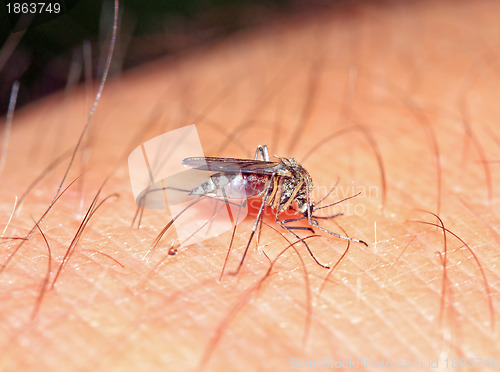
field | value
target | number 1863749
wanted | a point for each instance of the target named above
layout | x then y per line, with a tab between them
33	7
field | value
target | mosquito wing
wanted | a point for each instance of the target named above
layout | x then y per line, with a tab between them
232	166
235	178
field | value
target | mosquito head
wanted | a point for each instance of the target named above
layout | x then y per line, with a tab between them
298	171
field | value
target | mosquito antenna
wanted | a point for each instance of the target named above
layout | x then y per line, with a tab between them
337	202
329	192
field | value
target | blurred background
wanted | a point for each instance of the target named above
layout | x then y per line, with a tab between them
55	52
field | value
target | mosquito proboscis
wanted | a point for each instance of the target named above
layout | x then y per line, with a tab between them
283	184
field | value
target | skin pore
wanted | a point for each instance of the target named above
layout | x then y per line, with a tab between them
398	102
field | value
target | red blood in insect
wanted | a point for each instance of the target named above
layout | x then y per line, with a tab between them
255	184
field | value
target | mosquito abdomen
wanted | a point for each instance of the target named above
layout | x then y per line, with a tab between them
237	186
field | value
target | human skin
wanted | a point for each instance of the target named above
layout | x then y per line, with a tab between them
405	98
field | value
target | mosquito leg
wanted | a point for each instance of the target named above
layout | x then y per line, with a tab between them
254	229
214	213
315	223
301	228
260	231
294	219
257	221
242	205
303	242
308	228
264	153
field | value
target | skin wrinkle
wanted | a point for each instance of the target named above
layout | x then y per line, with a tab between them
108	317
374	279
379	314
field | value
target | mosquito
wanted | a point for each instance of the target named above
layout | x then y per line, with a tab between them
283	184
